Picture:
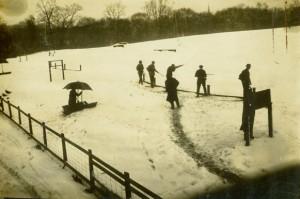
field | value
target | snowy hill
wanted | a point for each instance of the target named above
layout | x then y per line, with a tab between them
175	153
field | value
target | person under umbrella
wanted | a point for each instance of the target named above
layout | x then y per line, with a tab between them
73	97
73	94
74	104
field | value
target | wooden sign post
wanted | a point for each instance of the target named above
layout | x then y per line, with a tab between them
55	64
252	102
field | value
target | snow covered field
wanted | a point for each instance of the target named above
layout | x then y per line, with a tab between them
182	152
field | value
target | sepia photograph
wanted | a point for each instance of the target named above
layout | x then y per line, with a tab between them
150	99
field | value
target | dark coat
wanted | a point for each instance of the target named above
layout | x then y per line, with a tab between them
140	68
170	70
72	97
151	70
245	78
171	88
201	75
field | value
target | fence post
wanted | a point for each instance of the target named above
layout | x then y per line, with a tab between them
30	124
19	115
49	63
63	71
208	89
270	120
63	141
91	169
1	103
80	67
9	108
127	185
252	112
44	134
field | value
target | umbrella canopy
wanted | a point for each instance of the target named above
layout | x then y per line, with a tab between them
78	85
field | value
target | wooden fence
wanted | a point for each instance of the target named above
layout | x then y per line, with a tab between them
102	178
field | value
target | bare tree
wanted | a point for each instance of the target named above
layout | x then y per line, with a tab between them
114	10
155	9
46	12
66	16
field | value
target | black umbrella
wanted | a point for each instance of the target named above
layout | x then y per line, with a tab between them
78	85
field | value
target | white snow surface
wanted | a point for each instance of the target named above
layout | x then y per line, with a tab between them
133	128
26	172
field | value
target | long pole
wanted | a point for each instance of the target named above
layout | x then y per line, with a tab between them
273	40
286	25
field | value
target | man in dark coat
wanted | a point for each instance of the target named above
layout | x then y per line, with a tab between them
201	79
171	88
245	79
248	111
140	69
171	69
73	97
151	70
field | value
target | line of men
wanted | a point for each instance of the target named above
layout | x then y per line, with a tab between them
171	83
200	75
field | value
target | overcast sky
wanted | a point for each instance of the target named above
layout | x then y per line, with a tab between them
14	11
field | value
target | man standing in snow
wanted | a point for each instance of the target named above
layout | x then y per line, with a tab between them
201	79
248	111
171	69
140	69
151	70
245	79
171	88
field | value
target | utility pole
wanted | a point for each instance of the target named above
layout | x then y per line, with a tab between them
286	25
273	24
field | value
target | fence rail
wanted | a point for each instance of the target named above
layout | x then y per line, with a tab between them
101	177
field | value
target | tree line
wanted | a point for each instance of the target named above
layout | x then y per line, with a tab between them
56	27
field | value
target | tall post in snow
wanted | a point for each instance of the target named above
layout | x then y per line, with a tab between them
273	24
286	25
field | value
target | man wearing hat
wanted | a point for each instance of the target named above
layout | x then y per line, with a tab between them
140	70
201	79
247	96
171	69
152	70
245	79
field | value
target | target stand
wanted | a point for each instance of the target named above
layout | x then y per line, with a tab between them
56	64
252	102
